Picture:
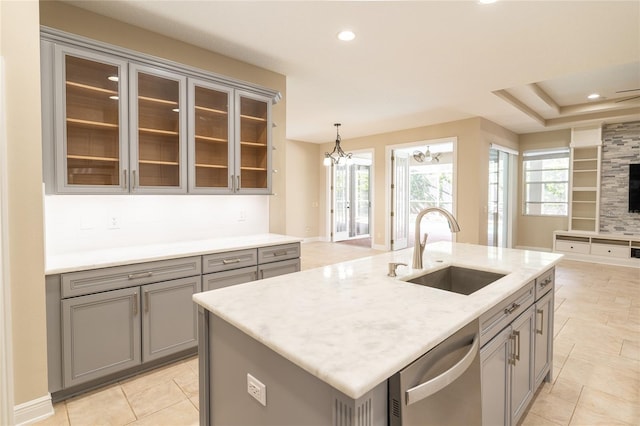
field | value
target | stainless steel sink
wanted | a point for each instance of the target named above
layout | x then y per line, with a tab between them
457	279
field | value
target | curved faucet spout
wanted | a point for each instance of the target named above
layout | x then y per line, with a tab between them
419	246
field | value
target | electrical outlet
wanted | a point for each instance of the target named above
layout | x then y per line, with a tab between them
257	389
243	216
114	222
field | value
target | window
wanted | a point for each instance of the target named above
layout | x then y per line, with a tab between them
546	182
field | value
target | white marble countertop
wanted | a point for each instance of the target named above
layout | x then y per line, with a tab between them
352	326
93	259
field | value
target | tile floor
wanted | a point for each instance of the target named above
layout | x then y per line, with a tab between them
596	378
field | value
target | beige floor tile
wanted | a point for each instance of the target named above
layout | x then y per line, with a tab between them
105	407
181	414
630	349
195	401
585	417
154	378
615	381
609	406
566	390
532	419
552	408
188	383
59	418
156	398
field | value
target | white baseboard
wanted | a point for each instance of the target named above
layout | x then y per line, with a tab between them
33	411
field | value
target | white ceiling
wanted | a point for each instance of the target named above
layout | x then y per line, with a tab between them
417	63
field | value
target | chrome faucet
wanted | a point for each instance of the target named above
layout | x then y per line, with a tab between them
418	248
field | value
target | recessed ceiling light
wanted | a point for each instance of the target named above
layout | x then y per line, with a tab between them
487	1
593	96
346	35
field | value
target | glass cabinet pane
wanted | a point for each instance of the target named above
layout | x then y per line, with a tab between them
92	111
158	131
253	143
211	118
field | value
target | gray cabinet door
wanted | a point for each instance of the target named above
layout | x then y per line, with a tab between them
543	337
496	388
522	383
100	334
169	317
227	278
278	268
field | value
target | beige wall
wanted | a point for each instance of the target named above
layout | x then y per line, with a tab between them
20	43
303	170
537	231
77	21
474	136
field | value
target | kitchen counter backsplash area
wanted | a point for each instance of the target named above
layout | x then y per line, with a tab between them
78	223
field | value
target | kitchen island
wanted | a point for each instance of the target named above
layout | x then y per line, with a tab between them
341	331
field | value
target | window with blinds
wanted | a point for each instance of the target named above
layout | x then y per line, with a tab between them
546	182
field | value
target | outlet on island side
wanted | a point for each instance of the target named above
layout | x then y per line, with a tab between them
257	389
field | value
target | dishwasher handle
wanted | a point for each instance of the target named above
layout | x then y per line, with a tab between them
428	388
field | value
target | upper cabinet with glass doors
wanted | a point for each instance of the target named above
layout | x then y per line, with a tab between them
158	139
91	116
120	122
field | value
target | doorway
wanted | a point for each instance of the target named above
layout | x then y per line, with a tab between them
352	200
422	175
502	166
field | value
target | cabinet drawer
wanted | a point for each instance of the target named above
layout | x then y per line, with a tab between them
229	260
610	250
97	280
572	247
228	278
544	283
277	253
498	317
278	268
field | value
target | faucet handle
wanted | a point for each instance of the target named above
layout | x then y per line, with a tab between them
392	268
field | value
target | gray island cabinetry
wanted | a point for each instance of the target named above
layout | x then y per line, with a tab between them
323	346
104	324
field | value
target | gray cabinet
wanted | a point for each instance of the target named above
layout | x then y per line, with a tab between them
118	121
100	335
517	351
169	317
543	356
278	268
228	278
507	372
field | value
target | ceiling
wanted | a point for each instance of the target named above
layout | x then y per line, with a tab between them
525	65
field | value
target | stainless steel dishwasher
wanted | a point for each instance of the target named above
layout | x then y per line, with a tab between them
442	387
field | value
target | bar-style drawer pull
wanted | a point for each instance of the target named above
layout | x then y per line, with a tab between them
512	308
280	253
541	312
140	275
545	282
230	261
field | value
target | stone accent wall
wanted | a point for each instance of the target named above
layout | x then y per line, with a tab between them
620	147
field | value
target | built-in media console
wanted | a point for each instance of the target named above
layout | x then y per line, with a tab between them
597	247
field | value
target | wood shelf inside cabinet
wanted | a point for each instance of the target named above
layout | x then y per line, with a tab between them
585	171
89	123
212	166
92	158
257	169
210	139
158	101
253	144
158	162
158	131
211	110
252	118
582	202
91	88
583	218
584	188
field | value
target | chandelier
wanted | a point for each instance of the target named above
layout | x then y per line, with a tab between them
336	156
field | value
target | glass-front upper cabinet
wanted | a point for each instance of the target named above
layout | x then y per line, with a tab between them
91	111
253	157
211	147
158	131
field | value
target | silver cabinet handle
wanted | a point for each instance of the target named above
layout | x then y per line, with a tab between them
516	356
146	302
512	356
124	178
545	282
280	253
238	181
541	312
232	187
428	388
135	304
261	274
230	261
133	179
512	308
140	275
